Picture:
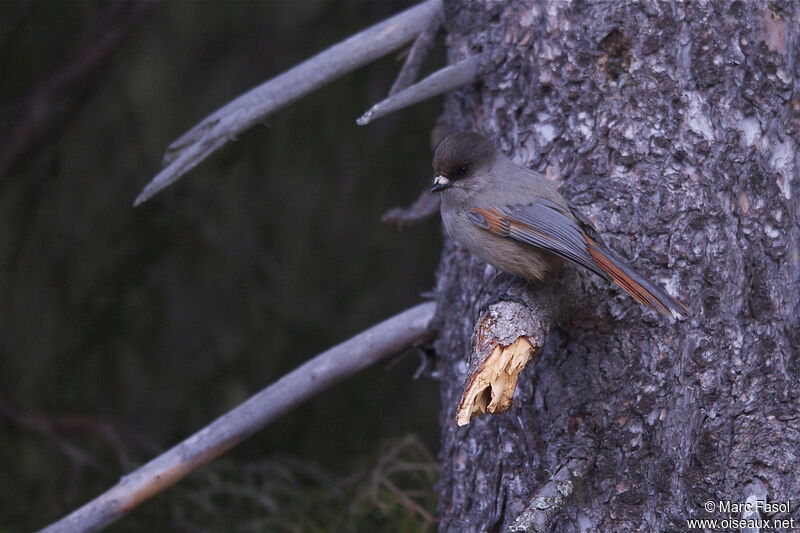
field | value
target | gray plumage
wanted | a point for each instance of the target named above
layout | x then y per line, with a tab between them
516	220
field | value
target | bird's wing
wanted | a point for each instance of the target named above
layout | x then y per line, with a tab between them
553	228
543	224
585	224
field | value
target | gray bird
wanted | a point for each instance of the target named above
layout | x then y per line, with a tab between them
516	220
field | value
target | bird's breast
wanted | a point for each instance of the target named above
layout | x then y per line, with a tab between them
503	253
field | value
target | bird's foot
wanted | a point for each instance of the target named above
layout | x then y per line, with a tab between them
503	293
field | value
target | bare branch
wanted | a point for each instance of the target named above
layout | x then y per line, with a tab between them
550	498
422	46
427	204
227	122
390	336
507	335
506	338
462	73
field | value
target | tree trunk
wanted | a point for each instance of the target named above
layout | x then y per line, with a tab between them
674	126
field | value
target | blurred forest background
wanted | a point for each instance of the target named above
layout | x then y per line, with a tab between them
124	330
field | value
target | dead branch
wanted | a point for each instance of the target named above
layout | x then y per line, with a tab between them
61	94
417	54
426	205
386	338
550	499
452	77
250	108
507	336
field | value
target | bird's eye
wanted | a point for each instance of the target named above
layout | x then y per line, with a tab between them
461	171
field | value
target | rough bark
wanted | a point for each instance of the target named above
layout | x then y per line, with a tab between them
675	127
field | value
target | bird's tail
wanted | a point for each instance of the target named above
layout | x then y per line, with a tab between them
634	283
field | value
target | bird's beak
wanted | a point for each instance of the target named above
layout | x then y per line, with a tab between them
441	183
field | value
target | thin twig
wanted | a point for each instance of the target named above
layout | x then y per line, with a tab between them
462	73
54	427
44	426
252	107
61	94
390	336
422	46
391	463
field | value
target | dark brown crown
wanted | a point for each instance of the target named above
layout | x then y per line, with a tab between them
461	153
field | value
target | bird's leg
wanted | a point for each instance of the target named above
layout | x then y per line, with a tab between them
503	292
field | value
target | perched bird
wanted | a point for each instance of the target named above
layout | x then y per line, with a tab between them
516	220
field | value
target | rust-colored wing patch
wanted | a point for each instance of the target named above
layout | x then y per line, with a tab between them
550	227
490	218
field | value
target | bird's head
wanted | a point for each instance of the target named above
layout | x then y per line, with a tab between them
460	157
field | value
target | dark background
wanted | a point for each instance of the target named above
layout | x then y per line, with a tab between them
124	330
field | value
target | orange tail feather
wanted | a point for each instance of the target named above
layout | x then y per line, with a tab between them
633	283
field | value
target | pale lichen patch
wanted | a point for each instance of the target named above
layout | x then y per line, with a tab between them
782	160
697	120
750	129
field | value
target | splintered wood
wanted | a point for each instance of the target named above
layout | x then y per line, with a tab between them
506	337
491	386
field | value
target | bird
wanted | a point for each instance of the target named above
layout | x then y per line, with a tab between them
516	220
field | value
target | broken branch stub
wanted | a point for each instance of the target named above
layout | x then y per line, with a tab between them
508	335
491	387
253	106
506	338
